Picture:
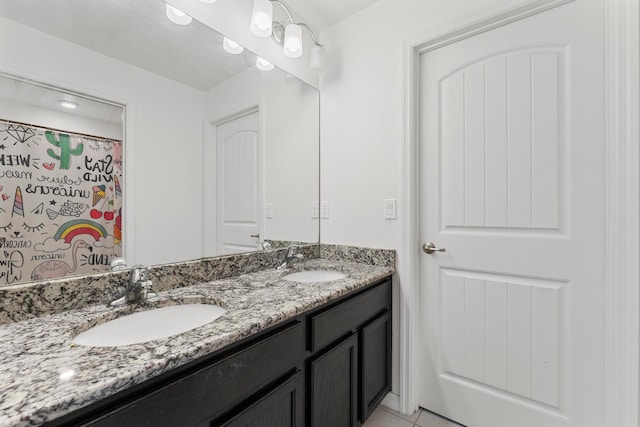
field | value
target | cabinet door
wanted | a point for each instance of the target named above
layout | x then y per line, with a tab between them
375	363
281	406
333	386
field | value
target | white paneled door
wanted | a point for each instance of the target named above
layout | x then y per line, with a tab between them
239	213
511	178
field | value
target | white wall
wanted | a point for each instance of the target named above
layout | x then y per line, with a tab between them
361	119
290	125
163	181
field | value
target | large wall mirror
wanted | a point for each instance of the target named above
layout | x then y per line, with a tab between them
177	149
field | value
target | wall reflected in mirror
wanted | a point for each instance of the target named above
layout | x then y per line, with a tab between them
219	157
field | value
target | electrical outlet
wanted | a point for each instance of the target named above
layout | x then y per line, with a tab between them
315	210
389	208
268	210
324	210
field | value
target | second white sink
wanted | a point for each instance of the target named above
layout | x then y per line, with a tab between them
315	276
149	325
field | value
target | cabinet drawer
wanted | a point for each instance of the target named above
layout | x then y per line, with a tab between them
209	390
331	324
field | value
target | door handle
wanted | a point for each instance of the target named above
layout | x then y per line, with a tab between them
430	248
257	236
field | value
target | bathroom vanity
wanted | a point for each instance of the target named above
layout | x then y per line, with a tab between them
328	367
286	352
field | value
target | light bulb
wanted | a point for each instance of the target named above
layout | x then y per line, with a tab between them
177	16
261	18
293	41
262	21
263	64
231	46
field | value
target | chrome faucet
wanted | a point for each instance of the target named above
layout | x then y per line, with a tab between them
138	289
290	256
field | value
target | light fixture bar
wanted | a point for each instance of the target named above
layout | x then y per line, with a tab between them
287	33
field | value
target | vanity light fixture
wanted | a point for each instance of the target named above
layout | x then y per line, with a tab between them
177	16
231	46
261	18
263	64
293	41
68	104
287	32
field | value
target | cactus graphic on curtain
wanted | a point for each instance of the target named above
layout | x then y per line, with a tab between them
60	203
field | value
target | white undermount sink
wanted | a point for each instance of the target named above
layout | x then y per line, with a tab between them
315	276
149	325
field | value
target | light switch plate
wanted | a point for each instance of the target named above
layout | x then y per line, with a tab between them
390	209
315	210
324	210
268	210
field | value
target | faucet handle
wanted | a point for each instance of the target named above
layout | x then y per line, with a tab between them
138	273
118	264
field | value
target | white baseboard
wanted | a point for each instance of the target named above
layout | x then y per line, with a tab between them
391	401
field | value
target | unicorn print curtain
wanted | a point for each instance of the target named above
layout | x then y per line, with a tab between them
60	203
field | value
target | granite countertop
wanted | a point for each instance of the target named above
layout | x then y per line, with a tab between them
44	377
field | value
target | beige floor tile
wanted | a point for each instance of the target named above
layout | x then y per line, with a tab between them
412	418
382	418
429	419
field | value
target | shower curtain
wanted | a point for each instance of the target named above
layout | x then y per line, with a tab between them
60	203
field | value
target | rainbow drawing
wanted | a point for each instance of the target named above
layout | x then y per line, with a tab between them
17	203
76	227
117	185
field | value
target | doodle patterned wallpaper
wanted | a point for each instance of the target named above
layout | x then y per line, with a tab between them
60	203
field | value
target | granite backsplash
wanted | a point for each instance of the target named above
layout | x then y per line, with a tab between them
30	300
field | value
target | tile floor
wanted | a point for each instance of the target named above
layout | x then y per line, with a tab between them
385	417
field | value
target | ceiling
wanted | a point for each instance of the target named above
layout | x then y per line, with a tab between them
320	14
137	32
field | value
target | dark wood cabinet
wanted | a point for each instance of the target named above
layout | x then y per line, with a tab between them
375	363
281	406
333	385
211	389
328	367
352	373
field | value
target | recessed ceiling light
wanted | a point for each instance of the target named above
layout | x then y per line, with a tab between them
68	104
177	16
